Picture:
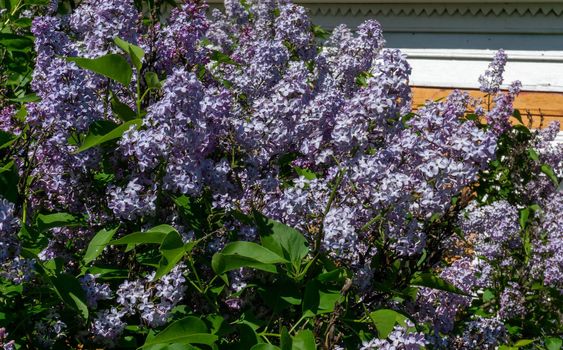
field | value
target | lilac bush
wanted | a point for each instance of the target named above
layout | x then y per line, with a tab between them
243	179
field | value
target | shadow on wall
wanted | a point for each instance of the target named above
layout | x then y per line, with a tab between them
489	25
429	40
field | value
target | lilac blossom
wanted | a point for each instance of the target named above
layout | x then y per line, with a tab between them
547	262
178	41
6	344
496	226
491	81
8	221
133	201
441	308
512	302
349	56
236	11
152	300
499	116
95	291
482	333
293	26
401	338
245	91
98	22
7	121
107	326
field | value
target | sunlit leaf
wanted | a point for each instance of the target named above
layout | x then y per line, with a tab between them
111	65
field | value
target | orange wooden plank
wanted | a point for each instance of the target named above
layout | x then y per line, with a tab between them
543	107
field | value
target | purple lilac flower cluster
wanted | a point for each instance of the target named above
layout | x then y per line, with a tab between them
402	337
441	308
246	95
548	257
482	333
12	266
151	300
178	43
6	344
492	80
95	291
497	229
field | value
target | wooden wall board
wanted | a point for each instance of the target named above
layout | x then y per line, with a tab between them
546	104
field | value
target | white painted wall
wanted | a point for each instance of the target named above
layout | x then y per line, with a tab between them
461	68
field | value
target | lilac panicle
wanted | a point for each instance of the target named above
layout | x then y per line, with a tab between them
177	43
98	22
491	81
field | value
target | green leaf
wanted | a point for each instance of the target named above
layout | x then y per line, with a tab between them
286	342
80	302
6	139
21	114
153	236
280	295
123	111
523	129
14	42
319	299
247	336
134	51
281	239
524	215
189	330
431	281
97	244
47	221
336	275
173	346
488	295
253	251
100	132
70	291
111	65
362	79
517	115
152	80
37	2
385	320
304	340
547	170
193	212
306	173
217	324
264	346
9	179
172	250
533	155
220	57
26	98
523	342
553	343
245	254
320	32
107	273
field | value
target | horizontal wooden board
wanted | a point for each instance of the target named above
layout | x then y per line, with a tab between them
543	107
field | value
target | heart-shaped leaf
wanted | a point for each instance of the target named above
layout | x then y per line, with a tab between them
104	131
97	244
189	330
111	65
